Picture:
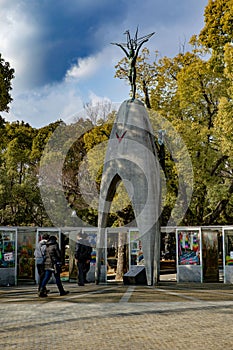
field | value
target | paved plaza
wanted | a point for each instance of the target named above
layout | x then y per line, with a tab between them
114	316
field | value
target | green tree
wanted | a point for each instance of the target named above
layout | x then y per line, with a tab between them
15	169
21	150
73	174
6	75
217	31
193	93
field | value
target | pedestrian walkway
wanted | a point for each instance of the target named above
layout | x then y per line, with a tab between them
114	316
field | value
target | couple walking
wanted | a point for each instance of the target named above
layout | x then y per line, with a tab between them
48	261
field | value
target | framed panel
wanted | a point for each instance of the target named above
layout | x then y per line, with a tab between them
228	254
188	247
92	238
26	262
210	254
135	248
8	254
189	255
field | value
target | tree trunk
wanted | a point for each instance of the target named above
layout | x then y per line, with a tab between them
120	257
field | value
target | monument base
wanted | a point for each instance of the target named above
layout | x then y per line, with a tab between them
136	275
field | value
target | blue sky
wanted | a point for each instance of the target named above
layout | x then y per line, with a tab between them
62	55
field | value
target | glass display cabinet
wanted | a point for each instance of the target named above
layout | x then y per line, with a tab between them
211	254
26	240
92	237
8	253
228	254
189	255
117	262
136	253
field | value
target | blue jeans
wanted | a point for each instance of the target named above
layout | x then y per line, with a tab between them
48	274
41	273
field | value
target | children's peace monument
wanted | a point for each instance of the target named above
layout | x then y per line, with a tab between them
131	158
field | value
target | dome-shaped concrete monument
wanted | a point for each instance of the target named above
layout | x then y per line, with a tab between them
131	158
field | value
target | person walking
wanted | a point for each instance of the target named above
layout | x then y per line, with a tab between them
39	255
83	257
52	265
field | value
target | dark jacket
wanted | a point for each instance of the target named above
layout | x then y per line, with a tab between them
82	250
52	253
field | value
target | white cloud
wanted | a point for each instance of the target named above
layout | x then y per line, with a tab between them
42	106
18	34
84	68
92	81
89	66
94	99
27	41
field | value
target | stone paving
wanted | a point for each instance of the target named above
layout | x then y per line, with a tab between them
113	316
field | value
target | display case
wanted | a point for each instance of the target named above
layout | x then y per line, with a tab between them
228	254
8	253
117	253
136	253
26	240
92	237
211	254
189	255
168	251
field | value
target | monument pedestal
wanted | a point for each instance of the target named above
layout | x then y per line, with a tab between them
136	275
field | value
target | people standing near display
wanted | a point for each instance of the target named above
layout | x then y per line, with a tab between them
82	257
52	265
39	255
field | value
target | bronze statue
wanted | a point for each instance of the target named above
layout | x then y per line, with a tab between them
133	45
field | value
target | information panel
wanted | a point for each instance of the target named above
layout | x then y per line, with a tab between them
7	249
228	254
136	253
229	247
7	257
188	247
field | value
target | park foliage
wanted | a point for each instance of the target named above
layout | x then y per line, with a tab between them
192	91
